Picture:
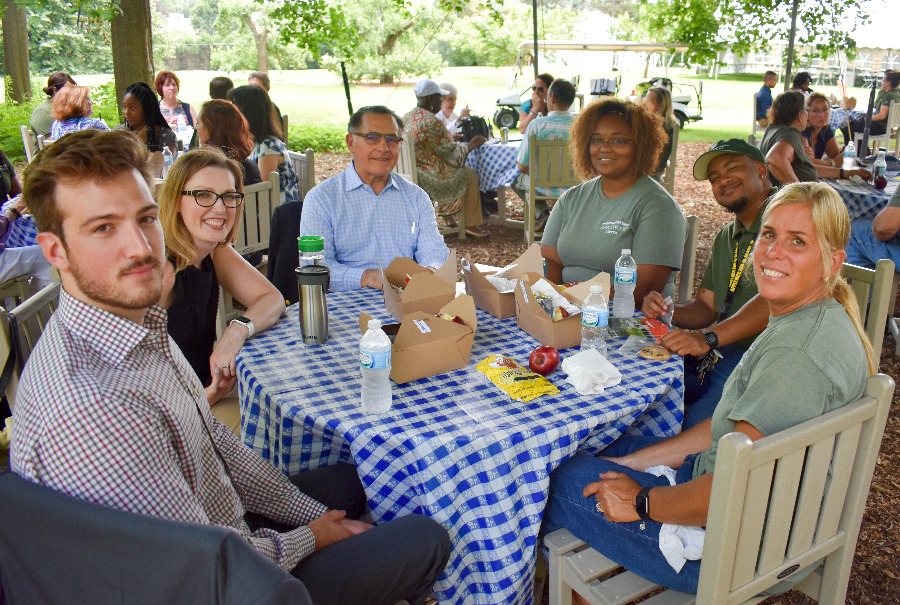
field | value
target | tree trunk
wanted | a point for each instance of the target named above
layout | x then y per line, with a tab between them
261	35
388	46
15	46
132	45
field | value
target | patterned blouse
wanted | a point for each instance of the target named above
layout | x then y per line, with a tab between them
58	128
172	115
290	184
440	162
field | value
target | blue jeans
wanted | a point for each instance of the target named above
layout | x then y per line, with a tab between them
864	249
625	543
704	407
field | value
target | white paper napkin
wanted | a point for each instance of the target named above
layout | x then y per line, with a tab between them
590	372
542	286
678	543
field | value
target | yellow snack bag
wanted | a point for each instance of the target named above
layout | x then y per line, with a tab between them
518	382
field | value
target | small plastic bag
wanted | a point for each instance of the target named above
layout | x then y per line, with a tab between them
518	382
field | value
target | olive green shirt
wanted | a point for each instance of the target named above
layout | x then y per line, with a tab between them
802	165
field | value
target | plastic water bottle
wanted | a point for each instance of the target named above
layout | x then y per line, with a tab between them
311	249
182	123
594	320
168	158
849	156
880	166
375	364
625	283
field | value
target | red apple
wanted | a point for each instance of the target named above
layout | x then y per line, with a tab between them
543	360
880	181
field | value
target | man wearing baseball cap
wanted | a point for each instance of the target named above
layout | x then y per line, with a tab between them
441	162
726	313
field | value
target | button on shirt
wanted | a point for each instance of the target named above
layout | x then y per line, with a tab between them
110	412
362	229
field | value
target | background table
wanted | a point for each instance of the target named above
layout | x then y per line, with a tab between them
495	164
839	117
23	231
453	447
863	200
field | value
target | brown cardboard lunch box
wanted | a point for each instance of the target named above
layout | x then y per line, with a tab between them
426	345
426	291
487	297
532	318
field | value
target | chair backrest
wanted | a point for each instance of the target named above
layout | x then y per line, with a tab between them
893	120
872	288
305	166
549	167
669	176
406	163
790	499
53	546
689	260
28	141
43	142
284	127
255	217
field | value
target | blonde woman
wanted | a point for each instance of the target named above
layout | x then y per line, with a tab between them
659	102
198	206
814	357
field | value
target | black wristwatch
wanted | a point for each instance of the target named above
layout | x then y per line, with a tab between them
642	504
711	339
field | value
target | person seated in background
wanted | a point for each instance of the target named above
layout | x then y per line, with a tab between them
536	106
219	87
889	93
783	145
269	151
109	411
261	79
813	358
198	206
143	118
616	144
72	109
42	116
659	100
819	142
222	125
174	111
555	126
801	83
441	162
368	214
24	260
874	239
447	115
764	98
725	314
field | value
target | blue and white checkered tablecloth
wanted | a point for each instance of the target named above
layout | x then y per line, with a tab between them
495	164
23	231
839	117
863	200
453	447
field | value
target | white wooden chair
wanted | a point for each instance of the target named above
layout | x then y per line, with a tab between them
28	141
305	166
669	176
43	142
549	166
755	126
260	201
892	131
777	505
873	288
688	260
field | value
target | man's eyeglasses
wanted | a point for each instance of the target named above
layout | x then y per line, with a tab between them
206	198
373	138
538	88
611	143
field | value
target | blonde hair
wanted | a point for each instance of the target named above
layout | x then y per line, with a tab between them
179	242
832	224
665	102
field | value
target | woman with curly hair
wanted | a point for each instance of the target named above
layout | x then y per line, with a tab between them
616	144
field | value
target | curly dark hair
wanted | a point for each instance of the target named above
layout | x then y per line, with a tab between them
649	135
786	108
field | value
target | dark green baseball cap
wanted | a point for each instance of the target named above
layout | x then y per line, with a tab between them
732	146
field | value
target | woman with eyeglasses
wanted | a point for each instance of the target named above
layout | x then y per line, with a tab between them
536	106
820	144
269	151
198	206
616	144
72	109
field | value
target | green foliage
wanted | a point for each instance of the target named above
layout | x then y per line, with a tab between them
14	115
316	137
61	39
105	104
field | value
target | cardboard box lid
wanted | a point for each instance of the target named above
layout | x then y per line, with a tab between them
426	291
487	297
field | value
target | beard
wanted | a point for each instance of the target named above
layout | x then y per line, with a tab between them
737	205
114	294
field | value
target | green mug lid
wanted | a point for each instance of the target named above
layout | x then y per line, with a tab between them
311	243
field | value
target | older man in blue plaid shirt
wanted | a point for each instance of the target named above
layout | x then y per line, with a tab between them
369	215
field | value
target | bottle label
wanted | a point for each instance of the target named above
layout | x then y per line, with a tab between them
595	318
375	361
624	276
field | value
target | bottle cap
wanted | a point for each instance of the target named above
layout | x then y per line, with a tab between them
311	243
374	324
626	251
596	289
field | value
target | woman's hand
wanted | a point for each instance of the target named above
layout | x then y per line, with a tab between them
615	494
219	387
223	359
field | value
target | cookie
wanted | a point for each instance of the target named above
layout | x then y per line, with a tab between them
655	352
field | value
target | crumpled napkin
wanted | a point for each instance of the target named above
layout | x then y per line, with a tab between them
678	543
590	372
542	286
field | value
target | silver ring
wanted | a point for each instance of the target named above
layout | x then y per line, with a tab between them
599	508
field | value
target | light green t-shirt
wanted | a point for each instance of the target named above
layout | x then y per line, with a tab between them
589	230
41	119
802	165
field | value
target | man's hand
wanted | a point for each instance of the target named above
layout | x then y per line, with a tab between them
333	526
684	342
476	142
371	278
615	493
654	305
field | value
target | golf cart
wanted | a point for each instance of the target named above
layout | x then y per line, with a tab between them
680	98
507	114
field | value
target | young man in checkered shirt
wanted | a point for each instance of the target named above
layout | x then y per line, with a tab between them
109	411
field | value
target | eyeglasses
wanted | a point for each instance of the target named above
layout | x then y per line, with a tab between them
818	111
611	143
538	88
373	138
206	198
